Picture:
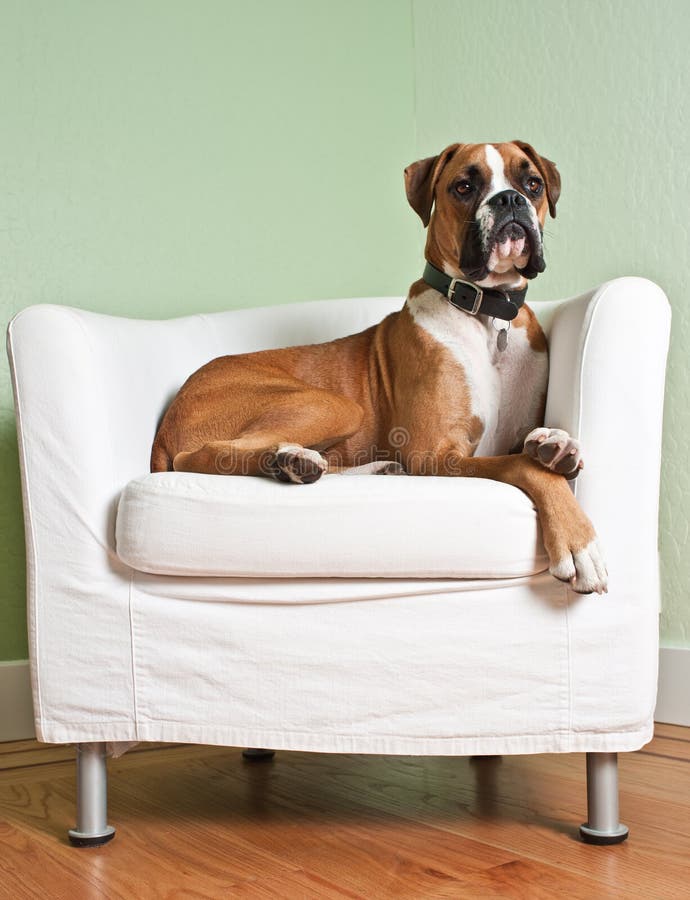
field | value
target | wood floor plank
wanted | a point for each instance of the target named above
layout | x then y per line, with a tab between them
29	870
198	822
675	732
530	828
17	746
412	859
527	880
152	855
33	753
298	885
352	855
22	754
668	747
314	776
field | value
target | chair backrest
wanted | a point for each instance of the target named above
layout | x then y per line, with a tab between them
90	389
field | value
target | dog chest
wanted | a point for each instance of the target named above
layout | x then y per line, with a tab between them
506	388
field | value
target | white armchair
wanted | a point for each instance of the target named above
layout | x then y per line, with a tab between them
358	614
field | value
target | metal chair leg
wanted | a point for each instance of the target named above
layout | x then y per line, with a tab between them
92	779
602	826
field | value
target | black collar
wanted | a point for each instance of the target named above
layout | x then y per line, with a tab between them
473	299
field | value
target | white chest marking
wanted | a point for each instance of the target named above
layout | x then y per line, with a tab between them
506	389
467	338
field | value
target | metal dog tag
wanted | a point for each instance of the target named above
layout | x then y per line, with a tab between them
502	339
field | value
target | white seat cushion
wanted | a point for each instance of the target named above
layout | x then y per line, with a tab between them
175	523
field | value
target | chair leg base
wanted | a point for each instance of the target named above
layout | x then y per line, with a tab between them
79	839
592	836
254	754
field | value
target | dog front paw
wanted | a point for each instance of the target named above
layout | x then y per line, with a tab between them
584	570
555	450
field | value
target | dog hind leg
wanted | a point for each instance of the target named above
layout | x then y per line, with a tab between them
254	454
284	442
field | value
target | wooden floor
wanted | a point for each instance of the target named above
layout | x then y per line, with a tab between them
198	822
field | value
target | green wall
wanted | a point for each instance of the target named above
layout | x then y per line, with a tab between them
602	88
159	158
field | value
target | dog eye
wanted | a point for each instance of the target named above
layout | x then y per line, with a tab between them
535	186
463	187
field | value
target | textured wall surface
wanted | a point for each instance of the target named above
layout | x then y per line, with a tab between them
168	157
162	158
601	88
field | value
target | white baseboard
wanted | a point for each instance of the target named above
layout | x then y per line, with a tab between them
16	707
17	715
673	696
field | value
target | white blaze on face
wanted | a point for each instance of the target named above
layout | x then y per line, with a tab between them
499	181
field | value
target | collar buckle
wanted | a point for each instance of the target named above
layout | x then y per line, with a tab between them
478	298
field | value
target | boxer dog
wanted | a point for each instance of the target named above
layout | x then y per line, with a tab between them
453	384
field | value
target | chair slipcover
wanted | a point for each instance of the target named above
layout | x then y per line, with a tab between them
384	641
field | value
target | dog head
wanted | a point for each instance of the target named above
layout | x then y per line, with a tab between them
485	206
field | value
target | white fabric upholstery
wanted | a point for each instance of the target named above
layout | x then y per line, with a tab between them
348	663
176	523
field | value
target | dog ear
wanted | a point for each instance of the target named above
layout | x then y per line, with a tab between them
420	181
548	172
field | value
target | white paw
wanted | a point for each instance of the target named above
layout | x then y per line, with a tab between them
555	450
297	464
584	570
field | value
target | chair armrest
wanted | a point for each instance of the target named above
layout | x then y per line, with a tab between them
608	353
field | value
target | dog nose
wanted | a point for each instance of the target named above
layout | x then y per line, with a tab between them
508	200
